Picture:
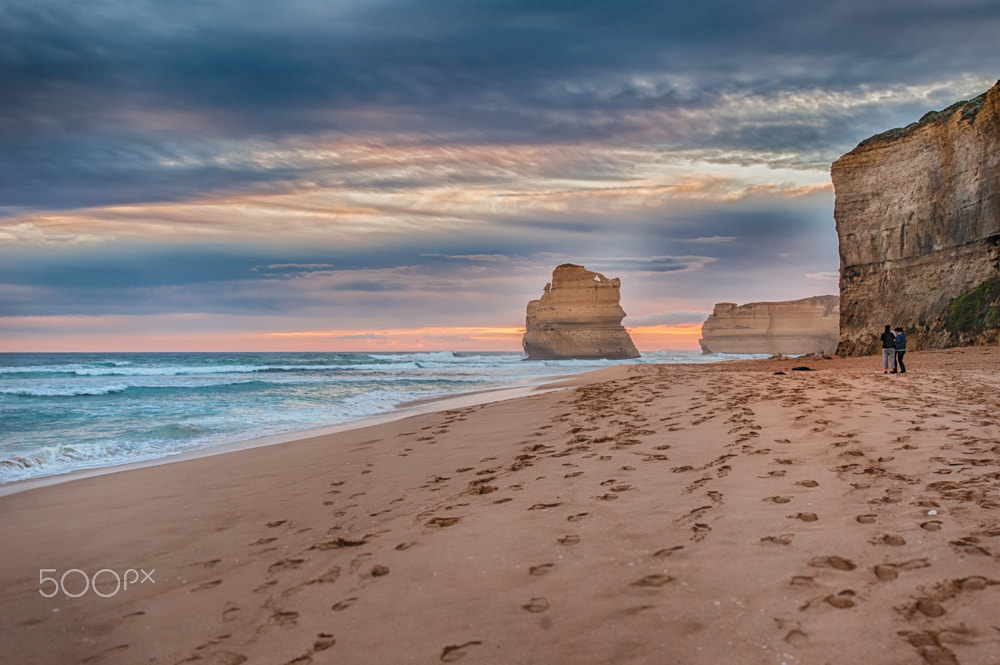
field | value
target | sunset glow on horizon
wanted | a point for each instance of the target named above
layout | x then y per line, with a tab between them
682	337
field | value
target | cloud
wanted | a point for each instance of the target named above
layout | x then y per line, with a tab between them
651	264
487	258
823	275
709	240
36	234
127	103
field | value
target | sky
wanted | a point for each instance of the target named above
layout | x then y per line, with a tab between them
351	175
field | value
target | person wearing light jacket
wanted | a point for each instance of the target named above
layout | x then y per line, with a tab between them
888	350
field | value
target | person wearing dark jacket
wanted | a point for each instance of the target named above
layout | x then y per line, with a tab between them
888	350
900	351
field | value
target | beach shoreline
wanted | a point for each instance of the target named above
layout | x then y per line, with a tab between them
740	512
399	411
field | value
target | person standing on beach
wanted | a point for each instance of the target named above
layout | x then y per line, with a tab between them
900	351
888	350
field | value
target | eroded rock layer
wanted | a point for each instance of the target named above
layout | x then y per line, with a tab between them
792	327
578	316
918	218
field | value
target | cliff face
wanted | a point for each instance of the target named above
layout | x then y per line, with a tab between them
793	327
578	316
918	218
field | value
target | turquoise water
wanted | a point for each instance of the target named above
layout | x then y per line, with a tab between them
62	412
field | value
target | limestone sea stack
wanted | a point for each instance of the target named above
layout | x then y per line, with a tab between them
791	327
918	219
578	316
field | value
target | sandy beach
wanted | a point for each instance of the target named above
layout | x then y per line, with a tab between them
740	512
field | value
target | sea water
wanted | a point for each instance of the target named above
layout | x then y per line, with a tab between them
63	412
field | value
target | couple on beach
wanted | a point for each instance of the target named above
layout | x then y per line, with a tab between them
893	350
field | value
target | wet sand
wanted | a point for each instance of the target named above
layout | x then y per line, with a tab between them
643	514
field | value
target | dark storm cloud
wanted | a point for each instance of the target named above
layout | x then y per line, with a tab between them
108	102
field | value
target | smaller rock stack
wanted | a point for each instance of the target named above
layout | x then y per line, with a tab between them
578	316
791	327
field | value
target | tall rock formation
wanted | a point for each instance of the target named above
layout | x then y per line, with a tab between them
578	316
918	217
792	327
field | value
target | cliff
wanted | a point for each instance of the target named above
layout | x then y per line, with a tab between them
792	327
578	316
918	219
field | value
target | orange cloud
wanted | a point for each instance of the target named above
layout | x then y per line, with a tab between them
334	193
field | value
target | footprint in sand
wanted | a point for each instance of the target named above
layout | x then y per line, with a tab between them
338	543
285	564
805	517
443	521
930	648
797	637
783	539
569	540
886	572
653	581
107	652
284	619
323	642
778	499
207	585
929	608
344	604
835	562
577	517
866	519
453	653
213	642
700	531
664	553
536	605
842	600
933	525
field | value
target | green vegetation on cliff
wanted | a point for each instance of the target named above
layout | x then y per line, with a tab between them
975	313
969	109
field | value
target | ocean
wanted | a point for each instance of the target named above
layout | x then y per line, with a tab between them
69	411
